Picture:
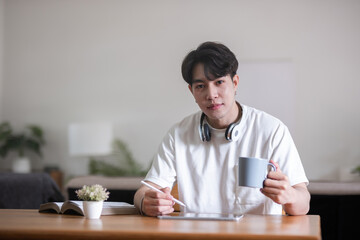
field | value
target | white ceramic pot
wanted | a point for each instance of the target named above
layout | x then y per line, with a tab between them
92	209
21	165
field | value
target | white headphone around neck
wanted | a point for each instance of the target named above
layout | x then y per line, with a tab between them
232	132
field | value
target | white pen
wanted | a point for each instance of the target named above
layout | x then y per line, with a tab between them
158	190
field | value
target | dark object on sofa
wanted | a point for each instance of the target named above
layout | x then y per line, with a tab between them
27	191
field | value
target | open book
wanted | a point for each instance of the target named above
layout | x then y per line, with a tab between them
76	207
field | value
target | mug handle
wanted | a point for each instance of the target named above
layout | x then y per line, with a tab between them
272	166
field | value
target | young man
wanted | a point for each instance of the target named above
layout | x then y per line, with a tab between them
200	153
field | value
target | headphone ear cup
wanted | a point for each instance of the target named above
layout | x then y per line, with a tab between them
235	133
207	133
232	132
201	134
228	131
204	130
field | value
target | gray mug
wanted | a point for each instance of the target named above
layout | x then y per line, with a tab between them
253	171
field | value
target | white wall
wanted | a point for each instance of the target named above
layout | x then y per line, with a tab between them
1	53
119	61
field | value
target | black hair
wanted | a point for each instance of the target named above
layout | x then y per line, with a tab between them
218	61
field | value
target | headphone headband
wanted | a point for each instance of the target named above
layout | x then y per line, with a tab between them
232	132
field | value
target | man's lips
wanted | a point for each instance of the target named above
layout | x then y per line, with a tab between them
214	106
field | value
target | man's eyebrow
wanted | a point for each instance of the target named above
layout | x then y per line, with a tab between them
197	81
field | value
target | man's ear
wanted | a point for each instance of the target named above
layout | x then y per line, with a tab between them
190	88
236	81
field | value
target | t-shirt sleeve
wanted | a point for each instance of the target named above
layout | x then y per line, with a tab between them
162	171
286	155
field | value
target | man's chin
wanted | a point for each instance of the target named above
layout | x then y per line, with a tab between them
214	115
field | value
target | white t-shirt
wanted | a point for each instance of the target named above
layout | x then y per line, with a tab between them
206	172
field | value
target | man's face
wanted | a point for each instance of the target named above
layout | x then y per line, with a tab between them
216	98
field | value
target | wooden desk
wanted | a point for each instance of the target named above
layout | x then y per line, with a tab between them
29	224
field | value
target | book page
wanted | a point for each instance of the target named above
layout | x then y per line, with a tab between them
116	204
59	204
50	207
110	208
72	207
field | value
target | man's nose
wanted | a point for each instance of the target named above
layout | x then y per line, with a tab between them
211	92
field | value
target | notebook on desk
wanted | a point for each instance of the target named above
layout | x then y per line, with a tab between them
203	216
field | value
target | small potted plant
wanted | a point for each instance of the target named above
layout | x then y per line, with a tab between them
93	198
30	140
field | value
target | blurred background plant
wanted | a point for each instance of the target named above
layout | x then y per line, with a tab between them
356	170
31	139
127	165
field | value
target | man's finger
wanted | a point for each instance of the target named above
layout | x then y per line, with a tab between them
276	165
